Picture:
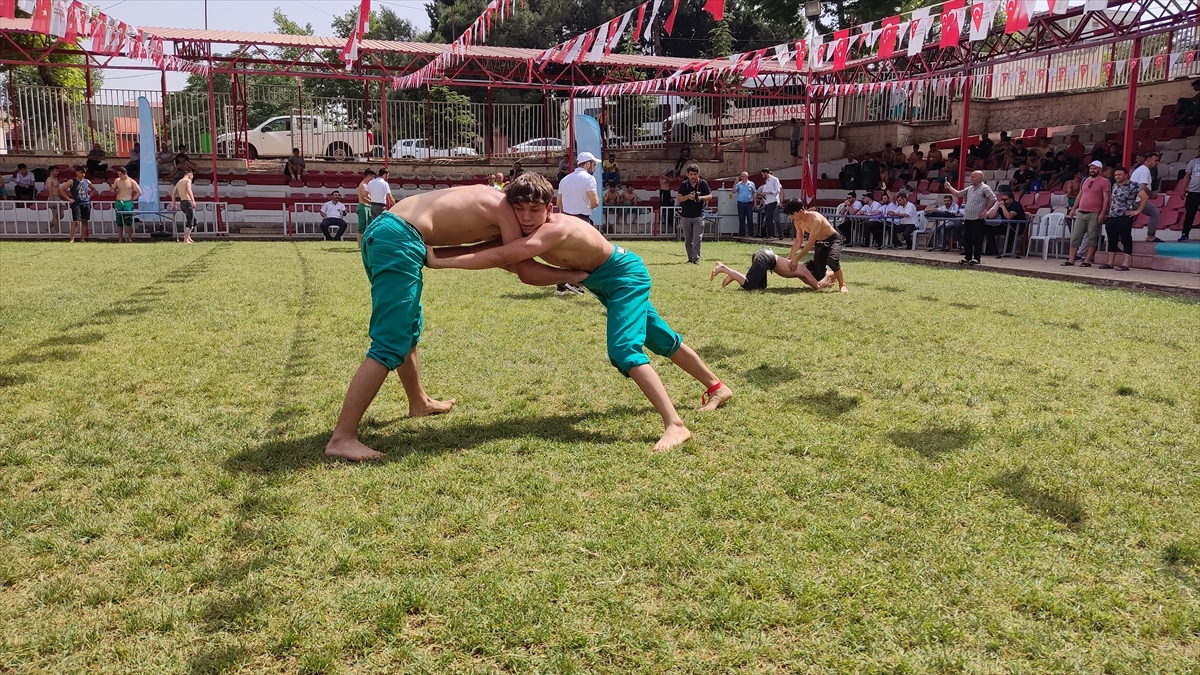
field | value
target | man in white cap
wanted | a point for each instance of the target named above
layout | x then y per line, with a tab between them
1089	212
577	196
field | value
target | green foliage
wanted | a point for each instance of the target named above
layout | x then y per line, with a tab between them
720	40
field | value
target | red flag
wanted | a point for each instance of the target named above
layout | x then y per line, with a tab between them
41	17
714	7
669	24
77	21
99	33
752	69
887	39
841	48
637	30
951	22
8	9
1016	16
801	53
364	17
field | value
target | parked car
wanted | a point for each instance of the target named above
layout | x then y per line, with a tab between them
418	148
277	136
536	146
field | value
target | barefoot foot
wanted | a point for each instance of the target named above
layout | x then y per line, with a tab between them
843	289
673	436
717	398
716	271
430	407
351	449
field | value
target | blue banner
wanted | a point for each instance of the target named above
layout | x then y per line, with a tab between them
587	139
148	164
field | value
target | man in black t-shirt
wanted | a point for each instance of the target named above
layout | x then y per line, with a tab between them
1022	178
694	195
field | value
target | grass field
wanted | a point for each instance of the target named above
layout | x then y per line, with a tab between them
946	471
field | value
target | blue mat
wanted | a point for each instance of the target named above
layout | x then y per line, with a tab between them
1188	249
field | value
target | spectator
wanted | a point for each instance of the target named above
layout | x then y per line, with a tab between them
795	138
516	170
1187	110
165	160
380	194
1142	176
1112	157
629	196
295	166
1071	187
1075	149
664	190
936	161
919	167
1022	179
333	214
685	158
564	166
1001	152
94	161
497	181
743	192
1007	209
1062	170
124	201
362	209
611	175
612	198
1191	178
134	167
1019	152
694	193
942	229
985	147
80	192
850	207
26	189
874	211
978	199
55	197
950	169
1090	212
769	194
183	164
904	229
1129	198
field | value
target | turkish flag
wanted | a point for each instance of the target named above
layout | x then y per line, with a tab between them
41	17
887	39
1016	16
952	13
841	48
8	9
716	8
669	24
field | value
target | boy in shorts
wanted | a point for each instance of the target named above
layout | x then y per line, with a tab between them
127	195
763	261
822	239
79	192
393	254
617	277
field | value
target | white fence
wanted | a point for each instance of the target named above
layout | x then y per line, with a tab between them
53	219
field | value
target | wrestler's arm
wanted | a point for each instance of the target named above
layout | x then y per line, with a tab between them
501	256
530	272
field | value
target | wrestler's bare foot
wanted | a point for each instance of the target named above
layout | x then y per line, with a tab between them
843	289
430	407
728	280
717	398
675	435
717	270
351	449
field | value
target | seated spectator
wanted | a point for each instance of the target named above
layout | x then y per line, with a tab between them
850	207
984	149
134	167
94	161
950	170
496	180
1076	149
936	161
183	164
1022	179
1187	110
868	207
611	174
1019	152
516	170
1057	170
944	228
904	229
919	167
685	158
1112	157
612	198
1007	208
882	209
295	166
166	160
333	214
1001	151
1035	165
564	166
629	196
25	190
1043	147
914	155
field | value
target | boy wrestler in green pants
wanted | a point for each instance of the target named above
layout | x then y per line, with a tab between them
617	277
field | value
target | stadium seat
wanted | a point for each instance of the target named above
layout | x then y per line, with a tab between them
1169	156
1042	200
1049	229
1148	145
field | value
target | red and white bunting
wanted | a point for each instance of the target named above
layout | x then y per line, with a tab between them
918	28
952	19
350	52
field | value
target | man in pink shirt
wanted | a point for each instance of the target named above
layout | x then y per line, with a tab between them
1089	212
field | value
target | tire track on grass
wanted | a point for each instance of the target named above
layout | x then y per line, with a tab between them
287	406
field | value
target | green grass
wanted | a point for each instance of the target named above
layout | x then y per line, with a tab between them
946	471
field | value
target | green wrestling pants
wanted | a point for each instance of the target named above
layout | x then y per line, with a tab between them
364	216
622	284
393	254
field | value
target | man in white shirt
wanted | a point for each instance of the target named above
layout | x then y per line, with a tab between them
380	194
905	228
941	228
25	189
577	196
883	208
769	193
1142	176
850	207
333	214
1192	178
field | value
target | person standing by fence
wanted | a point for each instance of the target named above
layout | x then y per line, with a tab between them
577	196
694	194
743	192
978	198
80	191
128	192
182	192
770	191
379	192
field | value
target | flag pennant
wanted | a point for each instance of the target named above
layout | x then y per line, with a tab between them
653	15
870	37
1016	14
615	38
716	8
918	28
669	24
841	47
598	40
41	17
8	9
1095	5
887	36
58	18
952	16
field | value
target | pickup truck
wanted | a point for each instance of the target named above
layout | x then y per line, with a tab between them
277	136
418	148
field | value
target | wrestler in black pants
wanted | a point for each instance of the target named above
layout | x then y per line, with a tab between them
973	239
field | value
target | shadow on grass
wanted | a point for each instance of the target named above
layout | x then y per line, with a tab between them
1074	325
767	376
300	354
891	289
218	660
80	339
300	453
1065	508
531	295
934	442
341	250
928	298
786	290
828	404
13	379
964	305
718	352
60	355
1005	312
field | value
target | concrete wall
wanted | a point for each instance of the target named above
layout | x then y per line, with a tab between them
1020	113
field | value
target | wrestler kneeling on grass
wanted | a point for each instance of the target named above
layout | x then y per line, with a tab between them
618	278
822	239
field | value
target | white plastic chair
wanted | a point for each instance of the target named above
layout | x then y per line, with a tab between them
1048	228
922	225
